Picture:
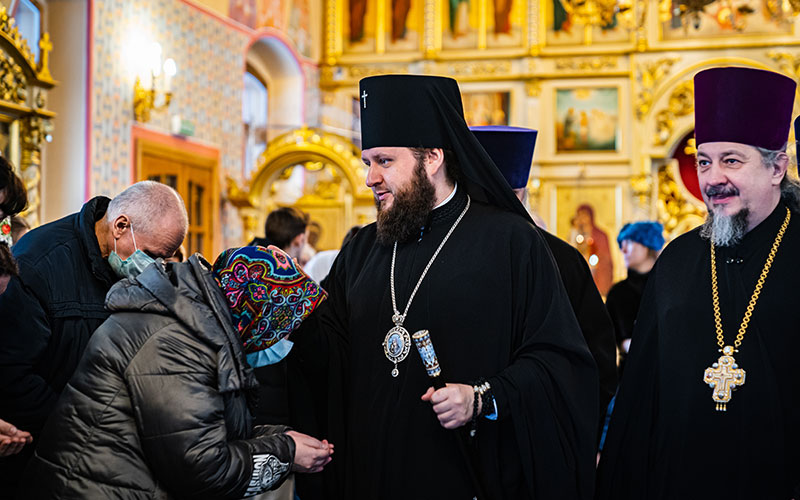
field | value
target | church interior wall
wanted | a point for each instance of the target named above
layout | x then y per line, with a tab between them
64	159
209	57
524	75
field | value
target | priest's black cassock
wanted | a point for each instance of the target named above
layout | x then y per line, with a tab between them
666	440
495	308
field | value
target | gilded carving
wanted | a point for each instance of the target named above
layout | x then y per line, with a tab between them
430	29
586	63
641	186
675	212
46	46
478	68
331	29
648	76
13	85
9	31
533	87
22	95
681	103
35	130
789	63
359	72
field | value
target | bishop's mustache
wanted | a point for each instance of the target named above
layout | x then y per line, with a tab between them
721	191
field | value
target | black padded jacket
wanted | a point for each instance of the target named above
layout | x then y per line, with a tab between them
159	406
49	313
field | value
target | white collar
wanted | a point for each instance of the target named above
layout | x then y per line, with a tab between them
448	198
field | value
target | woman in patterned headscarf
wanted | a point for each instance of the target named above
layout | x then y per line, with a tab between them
161	404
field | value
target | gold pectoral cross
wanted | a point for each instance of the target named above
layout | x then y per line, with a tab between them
724	377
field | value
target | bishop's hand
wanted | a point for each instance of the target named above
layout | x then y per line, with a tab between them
452	404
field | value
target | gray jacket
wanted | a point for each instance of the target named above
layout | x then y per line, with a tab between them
159	406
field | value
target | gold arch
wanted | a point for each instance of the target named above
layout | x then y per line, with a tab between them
298	147
308	144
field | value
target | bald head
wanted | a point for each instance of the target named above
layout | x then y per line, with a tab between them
155	212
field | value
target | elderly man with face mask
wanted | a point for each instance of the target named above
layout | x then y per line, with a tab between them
719	313
53	306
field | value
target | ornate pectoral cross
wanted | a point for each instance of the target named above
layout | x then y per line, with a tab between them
724	377
364	98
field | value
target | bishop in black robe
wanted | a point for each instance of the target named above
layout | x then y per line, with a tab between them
496	309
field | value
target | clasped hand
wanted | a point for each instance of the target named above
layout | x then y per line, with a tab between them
310	454
452	404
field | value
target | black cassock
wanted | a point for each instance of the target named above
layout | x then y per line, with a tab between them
591	313
623	303
666	440
495	308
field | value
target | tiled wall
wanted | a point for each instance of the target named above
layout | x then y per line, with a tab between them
209	54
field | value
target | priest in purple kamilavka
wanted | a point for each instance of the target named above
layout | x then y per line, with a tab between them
709	402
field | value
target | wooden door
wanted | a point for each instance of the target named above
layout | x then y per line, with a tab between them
193	177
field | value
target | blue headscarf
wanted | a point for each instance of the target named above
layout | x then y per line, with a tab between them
647	233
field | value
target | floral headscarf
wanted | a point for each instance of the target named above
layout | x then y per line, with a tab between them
268	295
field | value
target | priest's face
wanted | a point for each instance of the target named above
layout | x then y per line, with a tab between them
733	178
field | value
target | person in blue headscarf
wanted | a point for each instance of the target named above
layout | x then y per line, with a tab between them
640	243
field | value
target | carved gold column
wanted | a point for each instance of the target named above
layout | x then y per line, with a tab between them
34	129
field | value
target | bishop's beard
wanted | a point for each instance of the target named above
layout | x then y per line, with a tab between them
408	212
725	230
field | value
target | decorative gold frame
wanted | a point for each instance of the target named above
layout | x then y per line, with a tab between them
23	93
547	151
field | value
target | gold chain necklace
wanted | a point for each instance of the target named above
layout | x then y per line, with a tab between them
724	376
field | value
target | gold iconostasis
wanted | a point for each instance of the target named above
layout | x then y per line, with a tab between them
268	115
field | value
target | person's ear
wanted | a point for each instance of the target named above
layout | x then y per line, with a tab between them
779	169
119	226
434	161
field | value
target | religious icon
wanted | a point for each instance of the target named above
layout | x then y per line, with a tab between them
587	119
486	108
592	243
358	9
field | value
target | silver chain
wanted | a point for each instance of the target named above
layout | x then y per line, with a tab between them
399	318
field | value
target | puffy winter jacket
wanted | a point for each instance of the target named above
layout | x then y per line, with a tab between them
158	407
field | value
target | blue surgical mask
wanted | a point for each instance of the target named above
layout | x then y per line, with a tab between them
275	353
133	265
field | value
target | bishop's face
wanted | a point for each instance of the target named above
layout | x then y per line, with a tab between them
391	171
733	177
404	195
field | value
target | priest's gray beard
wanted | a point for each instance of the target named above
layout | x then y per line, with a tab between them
409	211
725	230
